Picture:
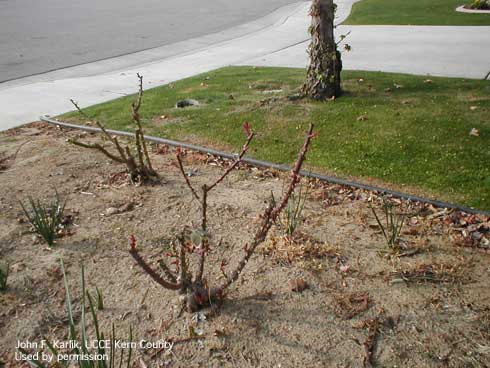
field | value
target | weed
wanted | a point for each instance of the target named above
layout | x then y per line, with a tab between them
106	358
46	219
100	299
393	224
293	213
4	274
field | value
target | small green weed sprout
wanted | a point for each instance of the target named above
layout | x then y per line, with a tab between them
293	213
99	298
393	224
106	358
46	219
4	274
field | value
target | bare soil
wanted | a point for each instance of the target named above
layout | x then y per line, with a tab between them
323	298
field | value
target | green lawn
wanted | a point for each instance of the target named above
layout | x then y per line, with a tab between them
415	135
414	12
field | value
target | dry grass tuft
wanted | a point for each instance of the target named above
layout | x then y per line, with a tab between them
348	306
300	248
434	273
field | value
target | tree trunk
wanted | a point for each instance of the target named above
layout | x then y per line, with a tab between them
323	76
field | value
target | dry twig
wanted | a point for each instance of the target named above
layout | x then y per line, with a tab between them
139	169
435	273
4	159
370	343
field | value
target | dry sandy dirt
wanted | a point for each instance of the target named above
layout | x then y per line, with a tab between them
427	306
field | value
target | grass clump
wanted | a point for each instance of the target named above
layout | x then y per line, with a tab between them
420	12
45	219
293	213
392	224
99	297
106	357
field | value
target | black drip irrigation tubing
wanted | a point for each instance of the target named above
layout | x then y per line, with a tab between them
271	165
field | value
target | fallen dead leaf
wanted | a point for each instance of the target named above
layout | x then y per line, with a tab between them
298	285
475	132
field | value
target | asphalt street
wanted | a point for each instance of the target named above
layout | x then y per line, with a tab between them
40	36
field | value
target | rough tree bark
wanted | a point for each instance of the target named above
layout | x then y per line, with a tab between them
323	76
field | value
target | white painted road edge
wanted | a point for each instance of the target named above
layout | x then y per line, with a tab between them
279	39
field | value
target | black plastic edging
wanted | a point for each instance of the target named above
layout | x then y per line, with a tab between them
271	165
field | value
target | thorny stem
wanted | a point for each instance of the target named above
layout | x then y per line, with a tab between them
140	141
112	139
271	213
167	271
97	147
205	190
152	273
5	159
188	182
295	177
204	228
116	143
141	169
237	161
184	277
80	111
259	237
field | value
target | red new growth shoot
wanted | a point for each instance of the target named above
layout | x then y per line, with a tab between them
132	241
246	128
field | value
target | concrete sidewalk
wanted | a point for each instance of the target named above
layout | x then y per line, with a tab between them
424	50
277	39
